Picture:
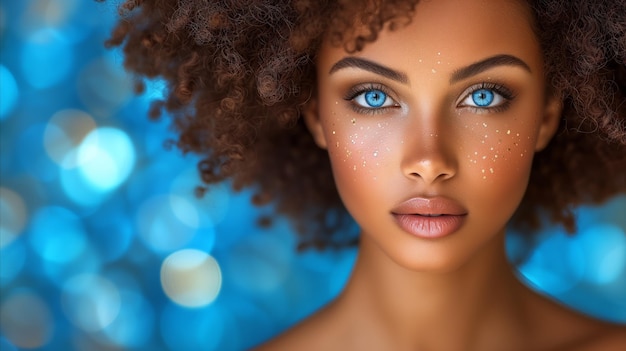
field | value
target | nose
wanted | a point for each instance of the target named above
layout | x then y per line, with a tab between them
428	153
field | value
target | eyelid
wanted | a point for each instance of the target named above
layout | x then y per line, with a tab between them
359	89
498	88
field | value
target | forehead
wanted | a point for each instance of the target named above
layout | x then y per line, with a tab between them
465	30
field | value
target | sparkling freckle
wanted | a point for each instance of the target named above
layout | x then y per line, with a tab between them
334	132
482	170
491	170
475	152
375	153
484	157
508	132
354	167
353	121
484	124
433	70
484	177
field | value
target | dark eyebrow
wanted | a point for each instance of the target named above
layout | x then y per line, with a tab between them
369	66
483	65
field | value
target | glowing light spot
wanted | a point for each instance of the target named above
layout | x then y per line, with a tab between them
375	153
25	320
106	157
259	264
9	94
548	267
161	225
133	326
491	170
508	132
603	258
13	214
191	278
90	302
353	121
103	85
64	133
57	235
433	70
211	208
46	59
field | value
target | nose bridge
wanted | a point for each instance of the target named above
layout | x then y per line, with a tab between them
428	153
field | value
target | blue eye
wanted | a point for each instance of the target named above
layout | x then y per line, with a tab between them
373	99
486	96
483	97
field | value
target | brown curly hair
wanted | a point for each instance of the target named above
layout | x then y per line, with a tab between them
239	73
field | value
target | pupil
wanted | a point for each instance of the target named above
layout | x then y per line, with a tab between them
375	98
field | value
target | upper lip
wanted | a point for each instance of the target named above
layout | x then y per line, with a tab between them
430	206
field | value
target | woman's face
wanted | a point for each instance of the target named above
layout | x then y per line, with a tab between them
432	128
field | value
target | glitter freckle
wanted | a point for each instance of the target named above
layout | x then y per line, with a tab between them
508	132
353	121
491	170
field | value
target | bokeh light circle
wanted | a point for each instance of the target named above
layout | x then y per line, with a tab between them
9	93
90	301
191	278
57	234
603	248
134	325
166	222
548	267
106	158
25	320
47	58
13	215
64	133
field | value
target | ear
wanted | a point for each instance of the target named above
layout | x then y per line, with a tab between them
550	121
311	116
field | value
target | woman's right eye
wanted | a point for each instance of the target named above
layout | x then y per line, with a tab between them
370	99
373	99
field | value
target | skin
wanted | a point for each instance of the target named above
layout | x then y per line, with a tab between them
457	292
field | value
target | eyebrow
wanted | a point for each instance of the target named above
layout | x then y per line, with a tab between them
356	62
488	63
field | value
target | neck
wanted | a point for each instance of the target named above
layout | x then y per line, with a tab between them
459	309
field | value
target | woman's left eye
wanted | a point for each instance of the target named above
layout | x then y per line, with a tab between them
486	97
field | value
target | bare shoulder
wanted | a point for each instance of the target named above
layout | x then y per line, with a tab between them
577	332
561	328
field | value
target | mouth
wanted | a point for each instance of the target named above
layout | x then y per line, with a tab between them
429	218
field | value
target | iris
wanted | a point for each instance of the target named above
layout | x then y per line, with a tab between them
483	97
375	98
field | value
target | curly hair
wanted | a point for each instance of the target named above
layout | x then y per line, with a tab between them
239	73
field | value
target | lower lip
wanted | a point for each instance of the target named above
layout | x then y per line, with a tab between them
429	227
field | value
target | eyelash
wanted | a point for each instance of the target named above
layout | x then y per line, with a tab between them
506	94
358	90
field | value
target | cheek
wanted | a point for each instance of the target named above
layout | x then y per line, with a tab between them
357	147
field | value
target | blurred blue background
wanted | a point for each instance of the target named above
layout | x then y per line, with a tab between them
103	245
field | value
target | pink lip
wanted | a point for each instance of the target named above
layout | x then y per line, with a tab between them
429	217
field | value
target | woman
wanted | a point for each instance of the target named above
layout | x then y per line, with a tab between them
437	123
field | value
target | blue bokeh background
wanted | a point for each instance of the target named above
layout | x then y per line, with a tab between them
103	245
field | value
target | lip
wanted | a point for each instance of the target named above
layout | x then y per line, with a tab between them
429	218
